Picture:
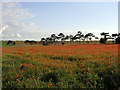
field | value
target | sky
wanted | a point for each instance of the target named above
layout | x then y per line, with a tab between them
34	20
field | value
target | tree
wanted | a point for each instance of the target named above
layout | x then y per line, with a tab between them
88	36
54	37
72	38
42	41
117	40
114	36
103	40
61	35
48	39
11	42
79	35
96	38
30	42
79	32
65	38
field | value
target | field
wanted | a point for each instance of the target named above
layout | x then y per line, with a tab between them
61	66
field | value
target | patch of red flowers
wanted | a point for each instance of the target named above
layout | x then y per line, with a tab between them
50	84
17	75
10	77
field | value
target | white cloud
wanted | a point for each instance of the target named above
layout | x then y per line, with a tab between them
3	28
13	11
13	25
22	31
18	35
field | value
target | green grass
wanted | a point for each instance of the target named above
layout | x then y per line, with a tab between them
34	70
37	75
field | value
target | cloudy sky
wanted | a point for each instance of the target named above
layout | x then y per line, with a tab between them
33	20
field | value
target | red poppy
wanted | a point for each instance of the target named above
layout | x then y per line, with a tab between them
92	72
89	82
10	77
50	84
17	75
30	79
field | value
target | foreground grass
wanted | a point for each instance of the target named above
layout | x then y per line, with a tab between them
44	67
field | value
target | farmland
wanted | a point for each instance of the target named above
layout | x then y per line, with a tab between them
61	66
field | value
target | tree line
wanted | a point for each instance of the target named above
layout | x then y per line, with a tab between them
77	37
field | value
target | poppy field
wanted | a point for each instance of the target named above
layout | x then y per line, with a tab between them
61	66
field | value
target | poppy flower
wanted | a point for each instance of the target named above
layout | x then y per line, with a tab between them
17	75
10	77
89	82
50	84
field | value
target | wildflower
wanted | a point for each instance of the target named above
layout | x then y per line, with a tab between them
107	63
112	71
89	71
17	75
50	84
18	80
71	69
38	78
30	79
10	77
89	82
60	82
53	69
